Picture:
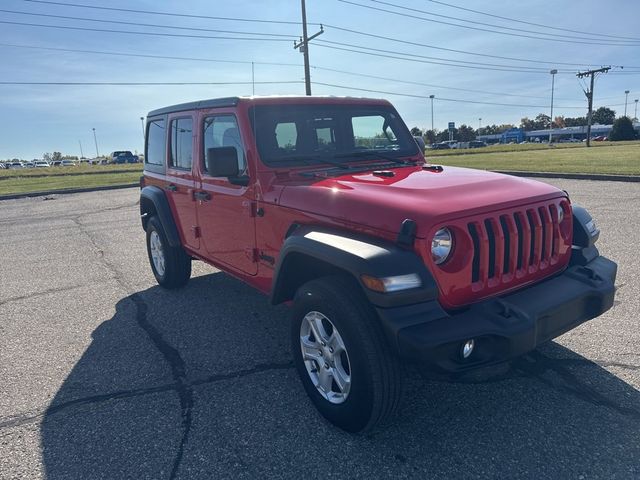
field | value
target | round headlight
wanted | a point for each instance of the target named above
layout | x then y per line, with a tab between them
560	214
441	245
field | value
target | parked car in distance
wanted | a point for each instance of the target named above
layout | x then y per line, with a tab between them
420	141
123	156
68	163
600	138
328	205
16	165
29	164
477	144
440	146
56	163
42	164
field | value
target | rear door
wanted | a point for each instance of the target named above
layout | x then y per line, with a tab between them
180	179
225	210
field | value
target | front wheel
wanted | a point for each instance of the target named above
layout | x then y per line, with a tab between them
170	265
341	355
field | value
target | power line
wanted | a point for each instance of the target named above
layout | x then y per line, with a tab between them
155	34
481	29
419	58
163	57
247	62
137	24
479	12
437	98
170	14
497	26
148	83
372	35
410	82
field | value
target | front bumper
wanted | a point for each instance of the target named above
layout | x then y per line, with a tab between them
503	327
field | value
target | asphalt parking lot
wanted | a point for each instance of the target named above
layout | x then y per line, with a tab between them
105	375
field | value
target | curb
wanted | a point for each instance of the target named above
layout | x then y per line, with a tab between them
574	176
570	176
66	190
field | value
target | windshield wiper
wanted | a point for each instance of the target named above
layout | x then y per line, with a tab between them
371	153
314	160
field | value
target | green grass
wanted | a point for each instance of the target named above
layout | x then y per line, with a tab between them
27	184
619	158
61	171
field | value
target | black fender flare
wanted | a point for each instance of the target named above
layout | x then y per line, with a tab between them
331	251
153	201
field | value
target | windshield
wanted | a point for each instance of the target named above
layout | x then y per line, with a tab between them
293	135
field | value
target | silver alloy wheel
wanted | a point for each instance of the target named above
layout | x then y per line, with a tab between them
325	357
157	253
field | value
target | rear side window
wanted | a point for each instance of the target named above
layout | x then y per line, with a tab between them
155	142
223	131
181	143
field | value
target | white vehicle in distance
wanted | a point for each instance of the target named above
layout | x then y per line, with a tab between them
42	164
68	163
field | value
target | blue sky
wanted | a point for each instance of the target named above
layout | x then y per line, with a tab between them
38	119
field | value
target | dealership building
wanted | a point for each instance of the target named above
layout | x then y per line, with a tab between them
517	135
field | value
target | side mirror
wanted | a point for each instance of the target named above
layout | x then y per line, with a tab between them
222	162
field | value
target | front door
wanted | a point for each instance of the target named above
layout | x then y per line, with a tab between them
225	209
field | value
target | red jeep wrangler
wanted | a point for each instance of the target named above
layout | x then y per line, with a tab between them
328	203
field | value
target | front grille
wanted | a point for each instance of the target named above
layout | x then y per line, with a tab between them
514	245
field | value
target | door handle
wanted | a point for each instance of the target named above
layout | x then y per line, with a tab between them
202	196
171	187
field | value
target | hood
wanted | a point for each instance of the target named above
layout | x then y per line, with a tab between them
426	196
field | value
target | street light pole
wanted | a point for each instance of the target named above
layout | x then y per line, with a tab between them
95	141
626	97
553	79
479	125
636	114
142	123
432	129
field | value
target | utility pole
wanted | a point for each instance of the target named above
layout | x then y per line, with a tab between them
142	123
553	78
96	141
479	125
589	95
81	154
636	114
626	98
303	46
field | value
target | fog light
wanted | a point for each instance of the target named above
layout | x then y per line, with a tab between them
467	348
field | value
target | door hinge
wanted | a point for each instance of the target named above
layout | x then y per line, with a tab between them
196	231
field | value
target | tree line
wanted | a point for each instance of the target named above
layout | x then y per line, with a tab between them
622	127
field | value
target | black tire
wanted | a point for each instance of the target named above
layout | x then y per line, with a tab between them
177	264
375	372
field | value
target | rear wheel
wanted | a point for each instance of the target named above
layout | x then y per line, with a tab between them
341	355
170	265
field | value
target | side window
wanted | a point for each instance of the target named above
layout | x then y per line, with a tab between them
373	131
223	131
155	142
181	143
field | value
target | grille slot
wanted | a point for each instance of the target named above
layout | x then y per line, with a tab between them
513	245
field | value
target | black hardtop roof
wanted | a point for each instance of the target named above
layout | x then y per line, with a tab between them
271	99
212	103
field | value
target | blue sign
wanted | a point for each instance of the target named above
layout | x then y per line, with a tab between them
452	125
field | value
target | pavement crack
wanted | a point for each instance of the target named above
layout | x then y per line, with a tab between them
178	371
37	294
571	384
33	416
